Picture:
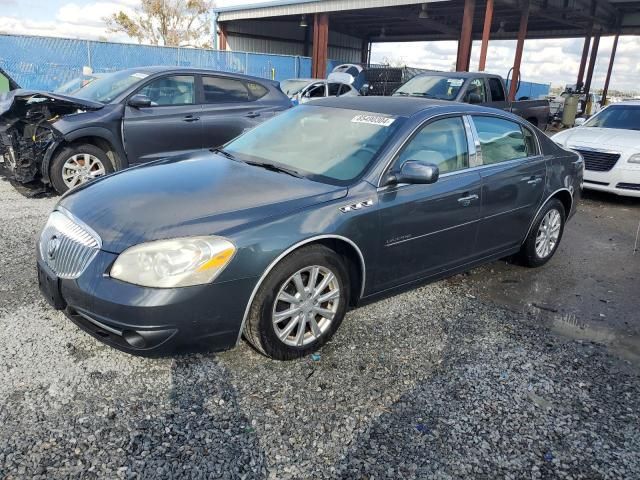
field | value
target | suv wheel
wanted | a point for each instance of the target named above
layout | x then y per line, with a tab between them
300	304
78	164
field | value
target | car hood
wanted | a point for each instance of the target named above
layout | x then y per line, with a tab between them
601	138
195	194
15	101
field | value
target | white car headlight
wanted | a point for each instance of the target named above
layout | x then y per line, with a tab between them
635	158
179	262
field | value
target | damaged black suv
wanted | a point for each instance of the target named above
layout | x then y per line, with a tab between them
126	118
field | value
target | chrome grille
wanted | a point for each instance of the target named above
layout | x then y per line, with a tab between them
66	246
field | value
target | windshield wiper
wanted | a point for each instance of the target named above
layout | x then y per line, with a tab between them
404	94
276	168
223	152
422	94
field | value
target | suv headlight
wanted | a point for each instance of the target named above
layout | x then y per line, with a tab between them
179	262
635	158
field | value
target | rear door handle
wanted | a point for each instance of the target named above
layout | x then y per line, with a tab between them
190	118
531	180
466	201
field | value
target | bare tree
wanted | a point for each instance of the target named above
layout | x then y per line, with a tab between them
166	22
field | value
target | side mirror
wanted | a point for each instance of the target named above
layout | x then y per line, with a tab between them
579	121
139	101
364	89
475	98
414	171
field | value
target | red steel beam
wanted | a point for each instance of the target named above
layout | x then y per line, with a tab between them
223	36
486	32
464	44
605	90
583	60
320	44
592	64
522	33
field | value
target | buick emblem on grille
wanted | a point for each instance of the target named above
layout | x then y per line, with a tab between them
52	247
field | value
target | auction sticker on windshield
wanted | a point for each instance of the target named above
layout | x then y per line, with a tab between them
455	82
373	120
139	75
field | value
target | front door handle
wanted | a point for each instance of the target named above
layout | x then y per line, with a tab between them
466	201
252	115
190	118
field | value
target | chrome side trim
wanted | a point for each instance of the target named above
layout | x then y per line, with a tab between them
287	252
392	244
543	204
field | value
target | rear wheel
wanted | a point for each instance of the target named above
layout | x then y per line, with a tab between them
78	164
300	304
545	234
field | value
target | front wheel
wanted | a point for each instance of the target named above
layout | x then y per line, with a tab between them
78	164
545	234
300	304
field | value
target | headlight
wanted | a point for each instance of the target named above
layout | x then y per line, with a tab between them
635	158
179	262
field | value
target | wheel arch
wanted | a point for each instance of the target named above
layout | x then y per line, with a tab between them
343	246
98	137
562	194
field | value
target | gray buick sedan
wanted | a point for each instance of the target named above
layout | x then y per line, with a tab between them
279	233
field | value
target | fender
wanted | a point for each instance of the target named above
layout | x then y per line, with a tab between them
99	132
287	252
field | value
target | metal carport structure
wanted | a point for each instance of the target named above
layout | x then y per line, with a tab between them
345	29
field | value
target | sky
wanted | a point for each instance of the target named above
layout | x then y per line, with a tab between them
545	61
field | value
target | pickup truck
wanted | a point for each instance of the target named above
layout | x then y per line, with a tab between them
477	88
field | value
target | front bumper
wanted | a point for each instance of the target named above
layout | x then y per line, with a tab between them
153	321
621	180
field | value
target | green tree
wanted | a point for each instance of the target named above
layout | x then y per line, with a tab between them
166	22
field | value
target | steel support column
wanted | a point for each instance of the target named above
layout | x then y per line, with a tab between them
522	33
464	44
592	64
605	90
320	45
223	36
486	32
583	61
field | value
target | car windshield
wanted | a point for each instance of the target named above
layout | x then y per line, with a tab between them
432	86
105	89
626	117
292	87
330	145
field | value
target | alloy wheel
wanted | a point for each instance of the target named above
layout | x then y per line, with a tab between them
305	305
81	168
548	233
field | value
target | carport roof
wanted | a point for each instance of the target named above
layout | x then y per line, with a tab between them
399	20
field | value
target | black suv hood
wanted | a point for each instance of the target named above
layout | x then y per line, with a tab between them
196	194
16	101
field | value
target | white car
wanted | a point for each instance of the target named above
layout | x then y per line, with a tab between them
301	90
610	145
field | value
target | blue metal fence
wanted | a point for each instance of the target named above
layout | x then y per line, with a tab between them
44	63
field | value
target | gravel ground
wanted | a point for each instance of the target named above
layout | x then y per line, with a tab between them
430	383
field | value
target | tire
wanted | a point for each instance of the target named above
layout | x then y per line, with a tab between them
261	330
531	256
100	165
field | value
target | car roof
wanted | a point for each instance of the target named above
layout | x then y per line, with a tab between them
398	106
154	69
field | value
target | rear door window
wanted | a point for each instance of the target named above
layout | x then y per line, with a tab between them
224	90
174	90
497	92
500	140
334	89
